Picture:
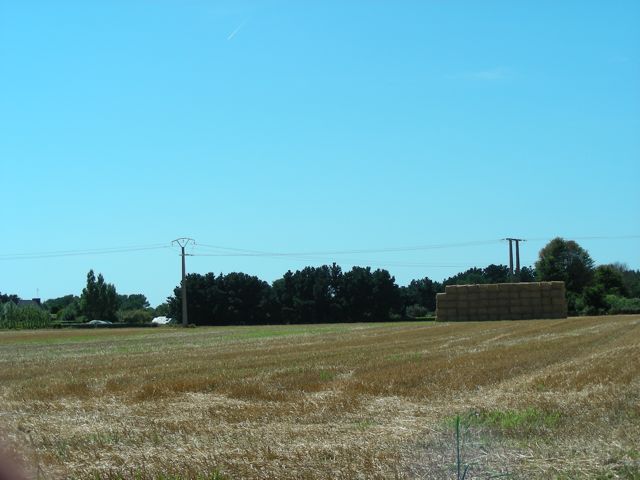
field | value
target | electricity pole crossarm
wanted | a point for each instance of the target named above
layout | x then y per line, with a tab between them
182	243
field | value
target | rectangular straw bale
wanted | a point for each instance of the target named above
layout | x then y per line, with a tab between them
495	302
480	301
555	294
531	293
484	293
545	300
442	298
449	313
491	288
517	309
451	290
503	294
509	301
462	304
537	313
446	311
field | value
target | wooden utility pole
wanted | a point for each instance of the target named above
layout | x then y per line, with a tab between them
183	242
511	242
510	256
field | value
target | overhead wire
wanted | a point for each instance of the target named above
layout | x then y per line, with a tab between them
225	251
83	252
256	253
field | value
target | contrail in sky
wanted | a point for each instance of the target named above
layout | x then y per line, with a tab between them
233	34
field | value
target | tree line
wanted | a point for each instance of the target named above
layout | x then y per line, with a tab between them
327	294
99	300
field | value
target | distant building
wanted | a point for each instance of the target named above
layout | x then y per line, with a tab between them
34	302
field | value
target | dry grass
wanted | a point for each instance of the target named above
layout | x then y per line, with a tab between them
539	399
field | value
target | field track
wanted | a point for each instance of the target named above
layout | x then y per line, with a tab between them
538	399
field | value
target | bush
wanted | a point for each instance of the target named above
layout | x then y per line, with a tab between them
12	316
70	313
619	304
417	311
135	316
593	301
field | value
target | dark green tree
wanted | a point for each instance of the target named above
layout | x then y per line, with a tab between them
527	274
496	274
162	310
610	280
310	295
136	301
630	279
232	299
567	261
4	298
468	277
99	300
422	293
55	305
139	316
592	301
367	296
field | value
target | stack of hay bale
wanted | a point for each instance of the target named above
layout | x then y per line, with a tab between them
502	301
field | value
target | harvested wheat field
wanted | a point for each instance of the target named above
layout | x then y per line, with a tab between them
537	399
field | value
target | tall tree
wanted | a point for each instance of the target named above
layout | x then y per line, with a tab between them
232	299
610	280
630	279
421	292
368	296
4	298
496	274
309	295
136	301
99	299
55	305
565	260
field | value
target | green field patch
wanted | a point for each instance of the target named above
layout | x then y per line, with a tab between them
511	422
326	375
365	424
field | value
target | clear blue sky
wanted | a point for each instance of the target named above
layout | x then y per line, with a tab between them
312	126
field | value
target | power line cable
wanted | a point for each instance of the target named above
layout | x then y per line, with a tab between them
353	261
594	237
87	252
223	251
257	253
